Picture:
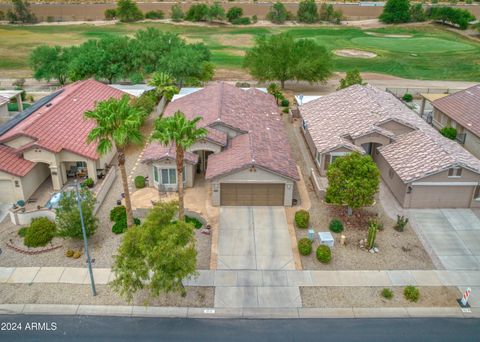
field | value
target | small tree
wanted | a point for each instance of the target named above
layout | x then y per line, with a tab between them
110	13
197	12
352	77
307	12
128	11
21	13
216	12
353	180
50	62
68	217
234	13
155	256
177	12
396	12
164	85
417	14
278	13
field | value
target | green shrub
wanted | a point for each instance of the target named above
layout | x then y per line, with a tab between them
387	293
146	102
139	182
40	232
411	293
118	213
88	183
305	246
196	223
155	14
22	231
407	97
77	255
307	12
449	132
128	11
110	14
197	12
401	223
336	226
177	13
278	13
120	226
285	103
69	253
234	13
286	110
302	218
324	254
241	21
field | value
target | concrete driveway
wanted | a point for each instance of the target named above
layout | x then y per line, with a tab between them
452	234
254	238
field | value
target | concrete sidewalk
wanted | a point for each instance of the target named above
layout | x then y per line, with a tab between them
184	312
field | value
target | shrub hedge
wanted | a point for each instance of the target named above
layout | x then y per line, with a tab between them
411	293
324	254
302	218
139	182
336	226
40	232
305	246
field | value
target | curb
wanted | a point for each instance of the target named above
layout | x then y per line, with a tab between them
238	313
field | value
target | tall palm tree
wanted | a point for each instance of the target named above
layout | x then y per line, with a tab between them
118	125
183	133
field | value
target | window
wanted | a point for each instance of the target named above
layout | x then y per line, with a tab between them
476	195
81	164
17	184
155	174
169	176
455	172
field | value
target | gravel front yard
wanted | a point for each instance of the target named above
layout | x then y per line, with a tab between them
397	250
82	294
359	297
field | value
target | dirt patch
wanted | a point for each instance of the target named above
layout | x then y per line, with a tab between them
244	40
352	53
81	294
376	34
234	52
191	40
359	297
231	74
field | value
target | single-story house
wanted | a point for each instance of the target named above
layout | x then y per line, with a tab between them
422	168
245	155
461	111
48	139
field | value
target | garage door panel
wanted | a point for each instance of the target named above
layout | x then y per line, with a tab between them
238	194
441	196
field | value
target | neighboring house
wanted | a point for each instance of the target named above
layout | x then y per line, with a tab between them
245	154
49	140
422	168
461	110
3	107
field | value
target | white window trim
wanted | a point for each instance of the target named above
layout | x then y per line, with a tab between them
455	169
160	177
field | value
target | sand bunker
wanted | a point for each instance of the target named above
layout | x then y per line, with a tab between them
354	53
389	35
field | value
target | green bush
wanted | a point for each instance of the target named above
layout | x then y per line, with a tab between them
88	183
234	13
146	102
139	182
110	14
305	246
197	12
336	226
155	14
40	232
128	11
286	110
407	97
196	223
118	213
302	218
241	21
307	12
278	13
387	293
69	253
449	132
401	223
13	107
285	103
324	254
22	231
411	293
120	226
176	13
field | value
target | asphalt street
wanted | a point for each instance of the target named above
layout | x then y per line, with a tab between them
104	328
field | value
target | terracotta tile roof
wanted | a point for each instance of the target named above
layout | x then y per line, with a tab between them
463	107
358	109
12	163
60	125
262	141
156	152
3	100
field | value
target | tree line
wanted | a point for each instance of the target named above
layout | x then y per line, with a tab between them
115	58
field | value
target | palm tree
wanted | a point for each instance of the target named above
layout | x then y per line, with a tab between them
164	85
118	124
177	129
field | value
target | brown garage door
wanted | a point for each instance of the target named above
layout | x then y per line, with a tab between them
251	194
441	196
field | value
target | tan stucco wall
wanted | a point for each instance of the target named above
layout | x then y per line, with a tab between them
396	127
395	184
34	179
170	164
372	138
472	143
17	191
246	176
205	145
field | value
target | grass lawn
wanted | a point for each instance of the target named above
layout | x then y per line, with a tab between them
429	52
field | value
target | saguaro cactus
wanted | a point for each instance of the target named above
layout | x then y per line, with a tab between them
372	234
